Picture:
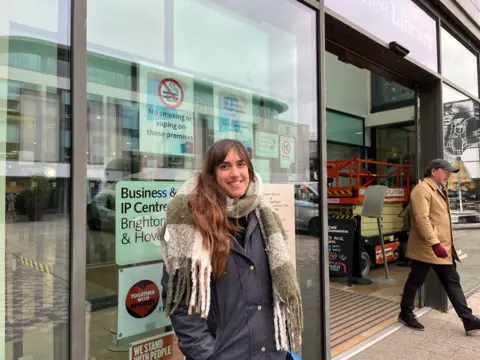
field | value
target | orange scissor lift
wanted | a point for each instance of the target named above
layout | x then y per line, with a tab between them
359	178
348	181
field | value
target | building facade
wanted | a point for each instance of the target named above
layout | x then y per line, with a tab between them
103	103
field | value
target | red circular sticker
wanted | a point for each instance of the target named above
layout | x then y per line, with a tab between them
142	299
170	93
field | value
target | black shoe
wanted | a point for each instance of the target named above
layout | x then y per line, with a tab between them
471	325
361	281
410	321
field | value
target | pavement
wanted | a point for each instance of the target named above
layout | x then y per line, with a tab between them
443	338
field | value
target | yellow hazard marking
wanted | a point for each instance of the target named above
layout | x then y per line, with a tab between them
33	264
339	192
342	216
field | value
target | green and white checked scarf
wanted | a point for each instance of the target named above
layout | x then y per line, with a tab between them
189	262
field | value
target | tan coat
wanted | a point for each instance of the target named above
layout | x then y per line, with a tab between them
430	224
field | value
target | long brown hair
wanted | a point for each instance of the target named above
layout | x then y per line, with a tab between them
209	204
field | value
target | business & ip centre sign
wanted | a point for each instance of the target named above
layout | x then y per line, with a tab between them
140	210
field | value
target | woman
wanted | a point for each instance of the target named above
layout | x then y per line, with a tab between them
229	285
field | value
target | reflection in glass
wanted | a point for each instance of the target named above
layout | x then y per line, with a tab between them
461	129
155	105
459	64
35	120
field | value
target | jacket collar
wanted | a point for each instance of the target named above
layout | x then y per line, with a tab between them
431	183
436	187
252	222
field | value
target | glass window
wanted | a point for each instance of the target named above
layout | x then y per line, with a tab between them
397	145
459	64
394	20
387	94
461	128
158	97
344	128
35	185
341	151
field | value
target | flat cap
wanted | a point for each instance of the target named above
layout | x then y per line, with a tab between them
442	164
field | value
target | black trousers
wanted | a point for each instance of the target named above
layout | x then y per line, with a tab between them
448	277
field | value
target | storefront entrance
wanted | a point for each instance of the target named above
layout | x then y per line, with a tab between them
371	140
387	116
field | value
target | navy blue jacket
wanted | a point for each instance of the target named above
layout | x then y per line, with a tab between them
240	323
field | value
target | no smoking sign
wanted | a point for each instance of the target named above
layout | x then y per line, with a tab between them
287	157
171	93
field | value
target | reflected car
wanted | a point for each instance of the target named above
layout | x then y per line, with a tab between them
307	208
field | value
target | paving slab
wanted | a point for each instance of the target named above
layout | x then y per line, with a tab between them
443	338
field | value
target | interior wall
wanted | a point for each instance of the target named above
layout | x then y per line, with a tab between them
349	91
348	87
390	116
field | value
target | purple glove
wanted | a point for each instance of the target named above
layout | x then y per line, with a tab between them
440	251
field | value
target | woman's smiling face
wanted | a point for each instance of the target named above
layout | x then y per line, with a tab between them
232	175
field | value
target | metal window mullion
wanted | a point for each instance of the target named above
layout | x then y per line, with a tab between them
478	75
439	46
78	90
313	3
324	300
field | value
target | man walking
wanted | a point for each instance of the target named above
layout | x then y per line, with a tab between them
430	245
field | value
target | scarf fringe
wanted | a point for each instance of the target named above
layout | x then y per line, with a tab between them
288	321
200	297
294	321
281	339
193	285
183	286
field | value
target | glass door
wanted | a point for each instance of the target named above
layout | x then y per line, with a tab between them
385	109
